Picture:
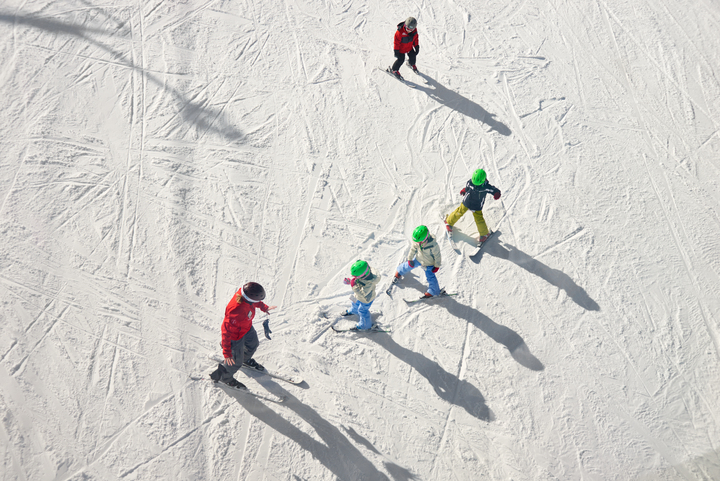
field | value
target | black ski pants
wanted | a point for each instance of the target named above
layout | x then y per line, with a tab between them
401	58
242	350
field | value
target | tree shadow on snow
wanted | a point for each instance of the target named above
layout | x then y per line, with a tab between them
497	332
336	452
555	277
446	385
461	104
204	119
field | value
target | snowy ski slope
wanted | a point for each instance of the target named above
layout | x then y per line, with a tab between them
157	155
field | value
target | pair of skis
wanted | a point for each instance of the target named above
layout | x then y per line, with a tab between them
454	246
399	77
374	328
267	397
423	298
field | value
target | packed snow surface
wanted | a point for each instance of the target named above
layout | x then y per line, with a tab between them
156	155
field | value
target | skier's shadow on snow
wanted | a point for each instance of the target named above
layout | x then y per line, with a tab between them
397	472
336	452
498	333
204	119
446	385
555	277
461	104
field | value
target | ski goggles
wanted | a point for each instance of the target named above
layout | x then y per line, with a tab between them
248	299
409	29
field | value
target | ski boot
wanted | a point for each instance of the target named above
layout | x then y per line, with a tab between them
253	364
235	384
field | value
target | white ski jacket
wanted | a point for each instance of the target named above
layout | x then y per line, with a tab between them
427	254
364	288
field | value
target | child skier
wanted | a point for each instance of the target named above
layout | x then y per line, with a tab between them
239	339
405	42
424	252
363	282
474	199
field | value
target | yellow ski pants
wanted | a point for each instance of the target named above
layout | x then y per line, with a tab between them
477	214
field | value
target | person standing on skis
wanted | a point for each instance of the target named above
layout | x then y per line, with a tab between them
473	199
239	339
424	252
363	282
405	42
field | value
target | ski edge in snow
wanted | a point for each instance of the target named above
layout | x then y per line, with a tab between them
282	377
421	299
270	397
448	234
392	284
372	329
401	79
482	244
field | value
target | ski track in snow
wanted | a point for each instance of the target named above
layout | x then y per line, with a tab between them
158	155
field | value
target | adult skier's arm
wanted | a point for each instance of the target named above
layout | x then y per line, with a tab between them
264	307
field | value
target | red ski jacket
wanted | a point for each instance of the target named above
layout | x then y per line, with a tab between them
239	315
404	40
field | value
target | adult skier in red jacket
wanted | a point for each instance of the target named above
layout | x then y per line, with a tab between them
406	42
239	339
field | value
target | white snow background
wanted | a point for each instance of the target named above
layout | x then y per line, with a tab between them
157	155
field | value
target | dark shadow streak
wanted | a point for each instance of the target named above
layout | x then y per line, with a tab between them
461	104
397	472
336	452
498	333
553	276
446	385
203	118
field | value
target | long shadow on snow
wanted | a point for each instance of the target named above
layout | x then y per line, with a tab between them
498	333
397	472
555	277
203	118
336	452
461	104
446	385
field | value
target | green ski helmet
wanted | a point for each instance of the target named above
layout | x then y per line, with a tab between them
359	268
420	233
479	177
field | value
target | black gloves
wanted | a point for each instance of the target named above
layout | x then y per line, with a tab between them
417	49
266	326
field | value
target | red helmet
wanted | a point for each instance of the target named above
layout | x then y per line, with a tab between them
253	292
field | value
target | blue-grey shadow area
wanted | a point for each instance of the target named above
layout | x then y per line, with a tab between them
262	376
461	104
446	385
497	332
204	119
555	277
398	473
336	452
